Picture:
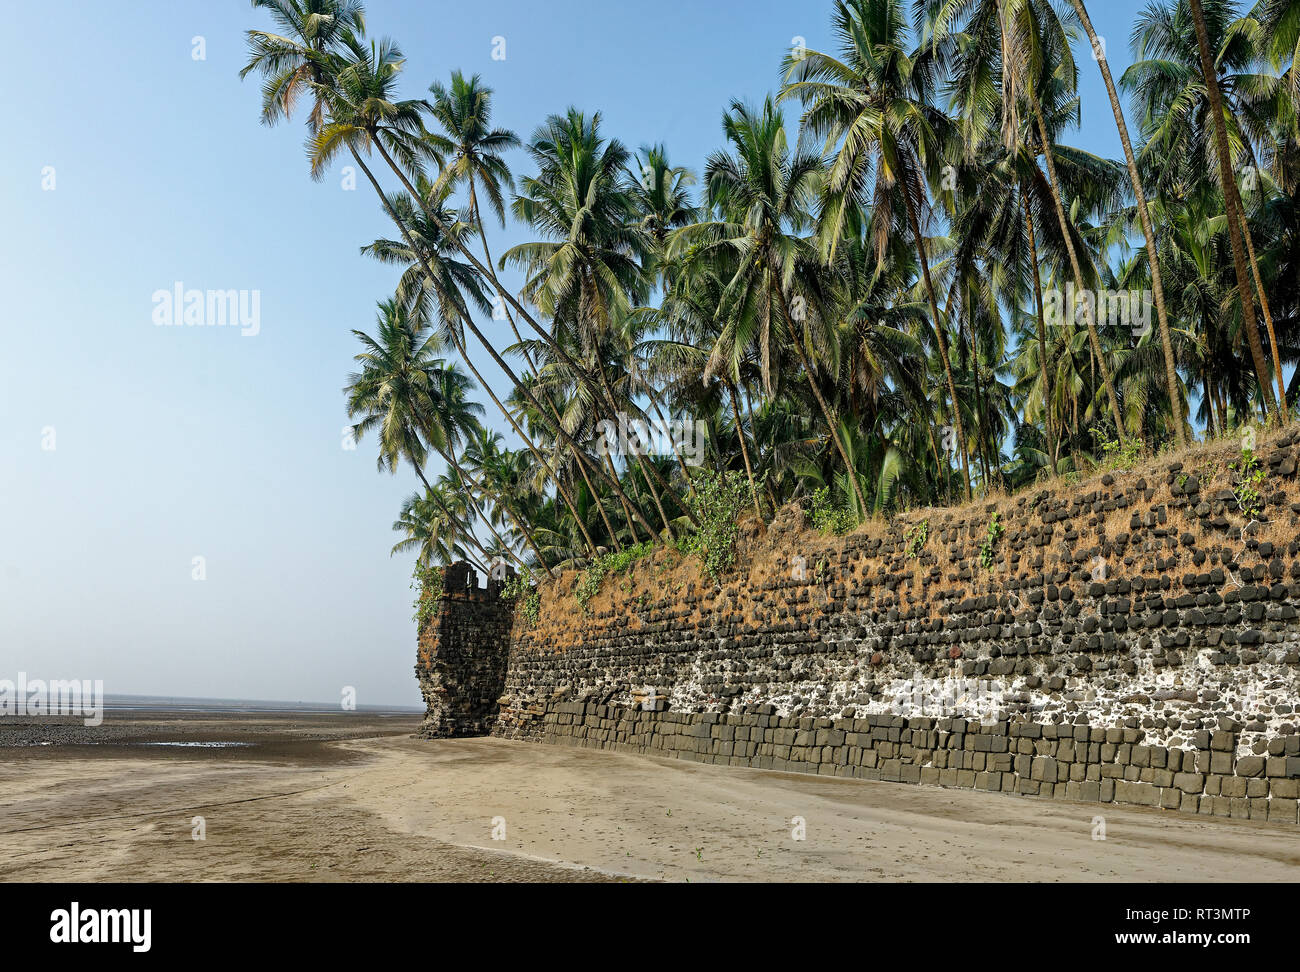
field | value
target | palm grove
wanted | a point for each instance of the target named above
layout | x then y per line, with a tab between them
857	307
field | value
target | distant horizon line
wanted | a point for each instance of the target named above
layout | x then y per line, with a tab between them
113	700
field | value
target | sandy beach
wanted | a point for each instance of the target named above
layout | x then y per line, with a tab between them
329	798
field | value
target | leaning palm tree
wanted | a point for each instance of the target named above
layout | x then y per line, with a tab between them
1144	217
364	114
1171	84
1006	55
474	148
874	103
773	296
1236	213
584	273
390	394
430	527
293	61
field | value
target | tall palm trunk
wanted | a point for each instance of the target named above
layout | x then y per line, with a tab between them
578	457
1040	318
1249	239
981	412
647	468
451	517
460	347
450	458
519	309
1232	202
919	240
627	511
1212	424
1088	310
744	449
677	450
774	292
640	461
1144	215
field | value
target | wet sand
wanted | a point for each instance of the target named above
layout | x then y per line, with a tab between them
321	798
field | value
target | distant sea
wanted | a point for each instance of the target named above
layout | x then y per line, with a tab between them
170	703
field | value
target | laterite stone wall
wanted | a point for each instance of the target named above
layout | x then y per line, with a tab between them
462	655
1134	638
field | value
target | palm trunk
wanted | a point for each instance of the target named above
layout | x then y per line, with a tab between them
641	464
1042	331
627	511
646	467
744	449
450	459
1144	215
510	299
832	426
460	347
1232	202
1268	314
677	450
578	457
942	340
451	517
1088	310
1263	295
1212	424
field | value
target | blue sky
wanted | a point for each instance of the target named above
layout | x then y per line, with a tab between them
171	443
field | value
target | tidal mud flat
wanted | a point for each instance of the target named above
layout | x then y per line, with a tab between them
329	799
271	793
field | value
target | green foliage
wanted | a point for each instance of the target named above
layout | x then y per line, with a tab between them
827	517
658	289
612	563
427	583
916	536
528	599
719	502
1250	484
992	535
1121	455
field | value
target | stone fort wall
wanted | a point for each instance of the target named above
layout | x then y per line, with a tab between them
1133	638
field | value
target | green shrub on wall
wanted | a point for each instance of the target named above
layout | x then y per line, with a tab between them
427	583
528	600
589	580
720	499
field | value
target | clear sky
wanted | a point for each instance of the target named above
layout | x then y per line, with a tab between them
128	449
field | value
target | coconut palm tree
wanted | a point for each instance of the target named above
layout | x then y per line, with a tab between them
1144	215
1007	56
438	288
430	527
761	195
293	61
390	395
585	272
1179	79
872	105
